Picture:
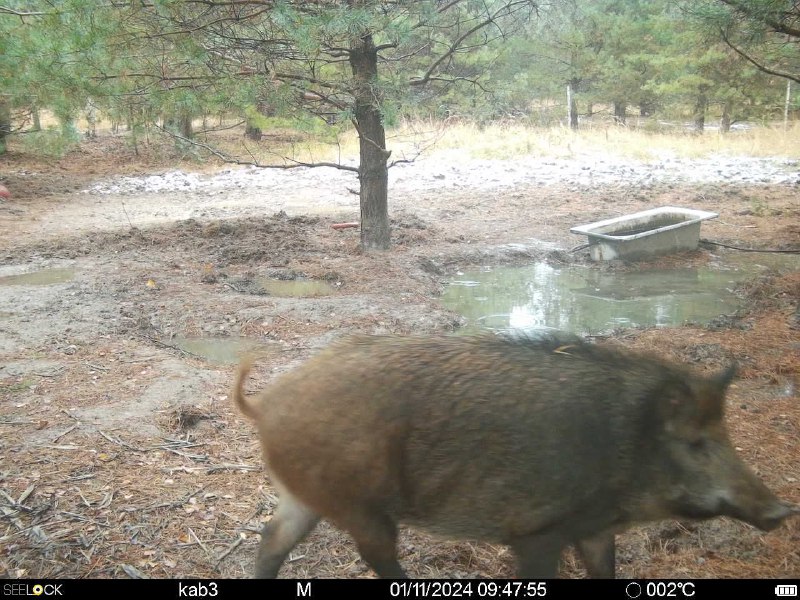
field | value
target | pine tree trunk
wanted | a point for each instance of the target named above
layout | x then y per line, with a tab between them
5	124
700	105
787	104
619	113
186	126
373	172
725	119
572	107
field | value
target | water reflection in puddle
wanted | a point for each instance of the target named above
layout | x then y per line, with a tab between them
585	299
223	351
295	288
43	277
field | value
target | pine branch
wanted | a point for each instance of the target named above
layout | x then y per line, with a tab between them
758	65
254	162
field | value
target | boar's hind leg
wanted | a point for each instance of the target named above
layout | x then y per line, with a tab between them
597	554
375	535
291	523
537	555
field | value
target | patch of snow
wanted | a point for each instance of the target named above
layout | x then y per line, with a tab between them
456	172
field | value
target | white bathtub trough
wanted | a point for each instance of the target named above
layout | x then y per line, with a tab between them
645	234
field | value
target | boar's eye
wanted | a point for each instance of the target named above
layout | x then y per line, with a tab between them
699	445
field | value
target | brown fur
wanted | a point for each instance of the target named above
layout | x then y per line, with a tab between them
245	404
535	443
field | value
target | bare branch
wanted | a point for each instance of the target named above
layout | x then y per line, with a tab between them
216	129
453	80
403	56
214	3
21	14
309	96
255	163
361	135
432	139
313	80
754	62
160	78
448	6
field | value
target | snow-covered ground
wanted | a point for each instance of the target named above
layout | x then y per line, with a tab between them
452	171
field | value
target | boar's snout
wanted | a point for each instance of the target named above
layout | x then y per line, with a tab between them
769	517
773	517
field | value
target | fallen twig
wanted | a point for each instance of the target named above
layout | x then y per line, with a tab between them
182	469
85	501
119	442
232	467
210	469
174	504
55	373
137	360
26	530
133	572
77	517
61	435
98	367
107	499
70	415
79	477
197	539
158	342
179	443
229	549
198	457
24	495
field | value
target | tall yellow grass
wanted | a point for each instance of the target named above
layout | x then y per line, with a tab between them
510	140
505	140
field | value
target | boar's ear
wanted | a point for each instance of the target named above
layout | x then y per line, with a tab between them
702	402
711	395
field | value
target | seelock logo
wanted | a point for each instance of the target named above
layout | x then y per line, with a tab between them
32	589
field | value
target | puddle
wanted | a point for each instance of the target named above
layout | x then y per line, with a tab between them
43	277
585	299
295	288
221	351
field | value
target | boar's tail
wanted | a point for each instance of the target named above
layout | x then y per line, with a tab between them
245	404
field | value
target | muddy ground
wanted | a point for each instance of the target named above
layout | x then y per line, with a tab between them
120	452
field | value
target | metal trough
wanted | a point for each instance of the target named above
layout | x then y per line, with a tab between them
644	234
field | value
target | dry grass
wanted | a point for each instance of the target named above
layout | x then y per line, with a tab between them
510	139
505	140
641	140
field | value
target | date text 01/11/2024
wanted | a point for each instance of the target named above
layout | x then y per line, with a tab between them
468	589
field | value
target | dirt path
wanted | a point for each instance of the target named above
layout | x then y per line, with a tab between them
121	453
